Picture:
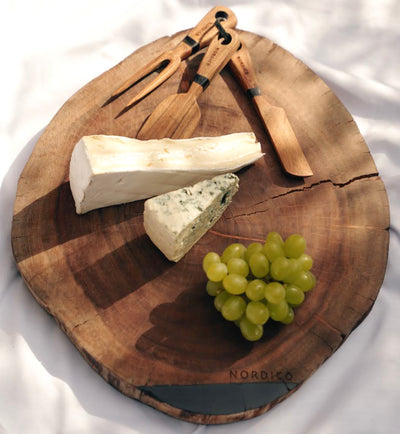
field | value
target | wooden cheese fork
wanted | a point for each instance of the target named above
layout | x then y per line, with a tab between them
197	38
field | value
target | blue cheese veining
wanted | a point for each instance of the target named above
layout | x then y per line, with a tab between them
175	221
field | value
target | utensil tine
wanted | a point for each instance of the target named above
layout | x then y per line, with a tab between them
170	63
169	69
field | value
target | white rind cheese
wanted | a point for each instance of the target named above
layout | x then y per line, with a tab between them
175	221
110	170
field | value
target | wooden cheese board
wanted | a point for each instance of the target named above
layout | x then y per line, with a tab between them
145	324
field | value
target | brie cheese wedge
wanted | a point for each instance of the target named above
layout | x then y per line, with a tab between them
110	170
175	221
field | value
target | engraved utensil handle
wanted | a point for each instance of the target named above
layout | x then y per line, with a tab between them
203	33
216	57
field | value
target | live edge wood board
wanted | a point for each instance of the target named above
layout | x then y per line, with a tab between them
145	324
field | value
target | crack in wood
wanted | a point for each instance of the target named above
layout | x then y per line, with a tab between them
82	323
327	324
220	234
325	341
305	188
327	181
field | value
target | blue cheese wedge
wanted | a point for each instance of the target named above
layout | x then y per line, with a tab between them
110	170
175	221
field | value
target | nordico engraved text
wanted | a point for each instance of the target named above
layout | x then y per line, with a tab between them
244	374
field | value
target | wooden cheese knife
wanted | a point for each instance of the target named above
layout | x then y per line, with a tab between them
274	118
178	115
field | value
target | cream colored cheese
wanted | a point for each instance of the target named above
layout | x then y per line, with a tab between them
110	170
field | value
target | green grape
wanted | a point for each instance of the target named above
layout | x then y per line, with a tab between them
306	261
274	292
251	249
251	332
235	250
259	264
210	258
255	289
238	266
214	288
289	317
278	311
237	322
280	268
257	312
251	285
235	284
233	308
294	246
274	237
220	299
294	270
305	281
273	250
314	279
217	271
294	295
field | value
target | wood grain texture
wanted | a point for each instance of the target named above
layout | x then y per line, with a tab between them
141	321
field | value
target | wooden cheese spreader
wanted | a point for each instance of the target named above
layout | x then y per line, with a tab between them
274	118
178	115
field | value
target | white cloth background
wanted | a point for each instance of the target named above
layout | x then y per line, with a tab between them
50	49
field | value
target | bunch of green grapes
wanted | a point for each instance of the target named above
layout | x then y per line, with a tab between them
261	282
